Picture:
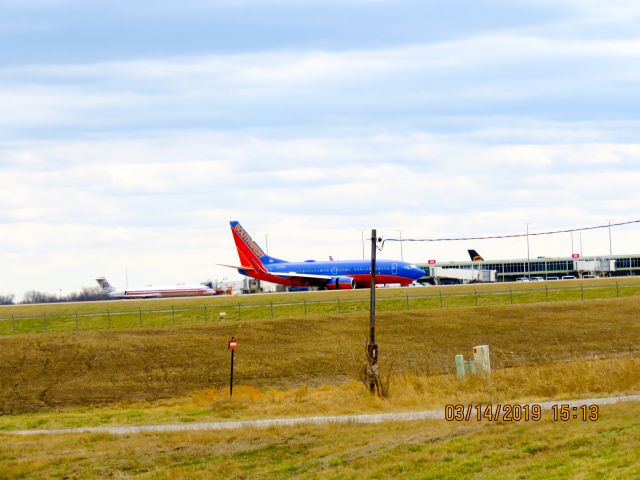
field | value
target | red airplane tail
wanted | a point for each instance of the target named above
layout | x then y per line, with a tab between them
250	253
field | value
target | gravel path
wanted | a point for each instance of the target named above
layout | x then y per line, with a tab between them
288	422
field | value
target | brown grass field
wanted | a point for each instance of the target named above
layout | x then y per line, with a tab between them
101	367
310	366
409	392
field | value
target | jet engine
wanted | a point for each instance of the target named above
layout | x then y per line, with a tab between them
341	283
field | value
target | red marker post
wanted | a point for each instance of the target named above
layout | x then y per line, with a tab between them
233	346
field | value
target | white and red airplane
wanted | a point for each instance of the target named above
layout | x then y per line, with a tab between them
155	292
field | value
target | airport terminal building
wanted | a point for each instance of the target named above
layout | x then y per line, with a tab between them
539	268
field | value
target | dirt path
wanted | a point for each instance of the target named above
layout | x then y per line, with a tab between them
288	422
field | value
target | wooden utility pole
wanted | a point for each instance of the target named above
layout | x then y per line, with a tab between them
372	348
372	296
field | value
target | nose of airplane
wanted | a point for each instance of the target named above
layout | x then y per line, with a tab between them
417	272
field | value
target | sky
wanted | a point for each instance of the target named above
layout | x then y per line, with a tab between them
132	132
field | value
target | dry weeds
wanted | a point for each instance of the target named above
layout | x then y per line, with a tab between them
97	368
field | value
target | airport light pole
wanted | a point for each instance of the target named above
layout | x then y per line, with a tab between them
572	252
401	254
580	244
610	250
528	259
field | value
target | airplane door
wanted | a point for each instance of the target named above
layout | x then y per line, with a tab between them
334	270
394	269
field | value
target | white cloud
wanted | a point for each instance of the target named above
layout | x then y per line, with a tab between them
612	10
267	90
102	204
474	135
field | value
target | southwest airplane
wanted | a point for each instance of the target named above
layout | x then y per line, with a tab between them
154	292
344	274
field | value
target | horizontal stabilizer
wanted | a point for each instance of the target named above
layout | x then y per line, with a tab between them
238	267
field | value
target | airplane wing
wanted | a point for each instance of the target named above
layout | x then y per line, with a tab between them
306	278
301	275
311	279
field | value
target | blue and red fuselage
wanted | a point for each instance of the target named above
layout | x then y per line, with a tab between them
387	271
333	274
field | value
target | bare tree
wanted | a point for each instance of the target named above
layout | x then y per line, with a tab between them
33	296
85	295
7	299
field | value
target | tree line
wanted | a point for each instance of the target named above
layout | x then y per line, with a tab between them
87	294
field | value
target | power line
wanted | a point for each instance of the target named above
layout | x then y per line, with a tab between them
515	235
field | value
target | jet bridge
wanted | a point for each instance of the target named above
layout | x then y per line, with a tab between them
598	267
466	275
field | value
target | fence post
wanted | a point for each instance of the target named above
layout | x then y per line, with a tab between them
407	302
173	309
546	292
238	310
109	318
205	314
140	316
45	323
77	322
476	294
441	304
13	322
511	295
581	291
617	290
271	309
305	307
338	304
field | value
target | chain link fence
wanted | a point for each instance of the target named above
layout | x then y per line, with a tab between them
192	315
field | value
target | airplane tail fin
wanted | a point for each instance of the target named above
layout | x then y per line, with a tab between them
475	256
250	253
104	284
